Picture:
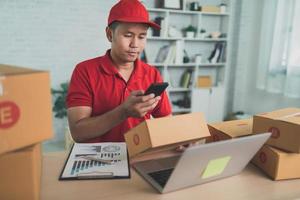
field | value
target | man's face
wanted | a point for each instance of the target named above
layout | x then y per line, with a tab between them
128	41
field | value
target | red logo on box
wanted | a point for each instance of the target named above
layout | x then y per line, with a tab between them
263	157
9	114
275	132
136	139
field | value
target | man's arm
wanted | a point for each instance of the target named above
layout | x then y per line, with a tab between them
84	127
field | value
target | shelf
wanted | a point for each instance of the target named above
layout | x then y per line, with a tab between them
157	10
163	38
211	64
215	14
173	65
206	39
188	64
187	12
188	39
180	90
212	99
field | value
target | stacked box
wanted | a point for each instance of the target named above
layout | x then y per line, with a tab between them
25	121
20	173
280	157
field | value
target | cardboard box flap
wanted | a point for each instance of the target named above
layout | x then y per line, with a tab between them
234	128
7	70
282	153
279	114
169	130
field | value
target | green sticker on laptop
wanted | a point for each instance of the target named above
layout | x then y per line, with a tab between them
215	167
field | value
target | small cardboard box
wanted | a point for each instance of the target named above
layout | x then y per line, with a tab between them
20	173
25	107
229	129
277	163
204	82
284	125
164	132
208	8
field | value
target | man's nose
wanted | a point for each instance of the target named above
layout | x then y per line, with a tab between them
134	42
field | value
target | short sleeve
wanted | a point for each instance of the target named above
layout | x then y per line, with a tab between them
80	91
163	108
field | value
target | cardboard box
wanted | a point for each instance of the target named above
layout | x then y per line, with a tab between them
212	9
25	107
278	164
204	82
284	125
164	133
20	173
229	129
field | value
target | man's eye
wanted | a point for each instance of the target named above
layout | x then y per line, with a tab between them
127	35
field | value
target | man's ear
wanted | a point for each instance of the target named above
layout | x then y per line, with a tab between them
108	34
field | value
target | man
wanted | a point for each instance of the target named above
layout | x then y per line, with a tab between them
106	94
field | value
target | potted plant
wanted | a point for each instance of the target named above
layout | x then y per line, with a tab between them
190	31
60	110
59	107
202	33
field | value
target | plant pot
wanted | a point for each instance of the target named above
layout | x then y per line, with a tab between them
68	138
190	34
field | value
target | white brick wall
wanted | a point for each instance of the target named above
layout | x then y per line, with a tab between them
52	35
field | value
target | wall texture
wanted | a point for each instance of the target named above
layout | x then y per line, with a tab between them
52	35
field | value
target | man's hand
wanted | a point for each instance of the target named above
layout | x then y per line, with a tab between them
137	104
181	148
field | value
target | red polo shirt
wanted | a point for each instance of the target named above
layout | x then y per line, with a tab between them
96	83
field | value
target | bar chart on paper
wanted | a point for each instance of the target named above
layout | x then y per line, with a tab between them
96	160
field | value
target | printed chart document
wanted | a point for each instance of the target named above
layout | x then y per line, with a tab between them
105	160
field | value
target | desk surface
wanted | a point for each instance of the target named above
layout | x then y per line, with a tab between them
250	184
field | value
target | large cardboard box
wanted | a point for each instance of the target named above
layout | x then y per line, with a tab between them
277	163
229	129
164	133
20	174
284	125
25	107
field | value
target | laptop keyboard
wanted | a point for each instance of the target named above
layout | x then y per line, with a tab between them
161	177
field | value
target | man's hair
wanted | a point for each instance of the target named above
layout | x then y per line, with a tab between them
114	25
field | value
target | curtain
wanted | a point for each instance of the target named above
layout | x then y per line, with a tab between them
279	56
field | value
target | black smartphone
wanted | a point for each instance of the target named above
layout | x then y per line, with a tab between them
157	88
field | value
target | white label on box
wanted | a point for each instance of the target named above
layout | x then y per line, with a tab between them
1	85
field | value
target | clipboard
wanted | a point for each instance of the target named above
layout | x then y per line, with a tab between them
106	160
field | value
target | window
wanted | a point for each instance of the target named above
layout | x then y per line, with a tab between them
279	50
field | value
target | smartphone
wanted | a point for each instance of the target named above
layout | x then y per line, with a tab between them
157	88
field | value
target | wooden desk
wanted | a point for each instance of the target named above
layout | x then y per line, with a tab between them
250	184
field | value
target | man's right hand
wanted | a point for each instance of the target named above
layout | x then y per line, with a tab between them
137	104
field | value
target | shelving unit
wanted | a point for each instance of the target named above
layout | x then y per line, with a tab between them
210	100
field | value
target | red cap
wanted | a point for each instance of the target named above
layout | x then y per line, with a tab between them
130	11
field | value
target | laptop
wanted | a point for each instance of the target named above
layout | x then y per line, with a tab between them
201	163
